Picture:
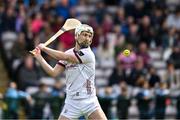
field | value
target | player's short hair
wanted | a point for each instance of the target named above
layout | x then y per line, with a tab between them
83	27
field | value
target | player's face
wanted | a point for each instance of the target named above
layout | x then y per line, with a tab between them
85	39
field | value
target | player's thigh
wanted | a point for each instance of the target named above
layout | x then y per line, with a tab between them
97	115
61	117
71	111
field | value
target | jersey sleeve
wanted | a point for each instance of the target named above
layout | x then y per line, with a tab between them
84	55
62	62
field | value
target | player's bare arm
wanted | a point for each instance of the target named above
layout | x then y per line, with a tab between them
58	55
48	69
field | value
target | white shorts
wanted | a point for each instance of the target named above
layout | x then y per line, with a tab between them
73	109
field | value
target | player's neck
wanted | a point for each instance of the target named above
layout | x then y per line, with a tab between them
77	47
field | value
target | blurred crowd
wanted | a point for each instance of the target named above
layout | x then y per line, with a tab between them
149	78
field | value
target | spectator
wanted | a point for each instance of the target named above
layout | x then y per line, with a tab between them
173	19
138	71
37	23
105	100
59	20
143	52
46	10
144	98
178	107
98	38
123	101
19	47
28	73
41	98
175	57
2	9
63	9
12	98
171	77
8	19
157	20
107	23
100	12
117	75
57	98
27	29
145	30
105	53
169	40
161	94
120	42
154	78
120	16
133	36
45	34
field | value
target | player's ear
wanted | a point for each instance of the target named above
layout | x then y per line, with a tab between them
90	42
76	36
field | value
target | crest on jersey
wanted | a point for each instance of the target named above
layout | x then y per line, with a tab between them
80	53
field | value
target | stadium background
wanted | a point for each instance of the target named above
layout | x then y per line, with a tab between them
144	85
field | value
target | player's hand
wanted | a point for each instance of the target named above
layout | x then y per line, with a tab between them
37	53
41	46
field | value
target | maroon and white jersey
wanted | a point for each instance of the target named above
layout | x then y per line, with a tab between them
80	77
